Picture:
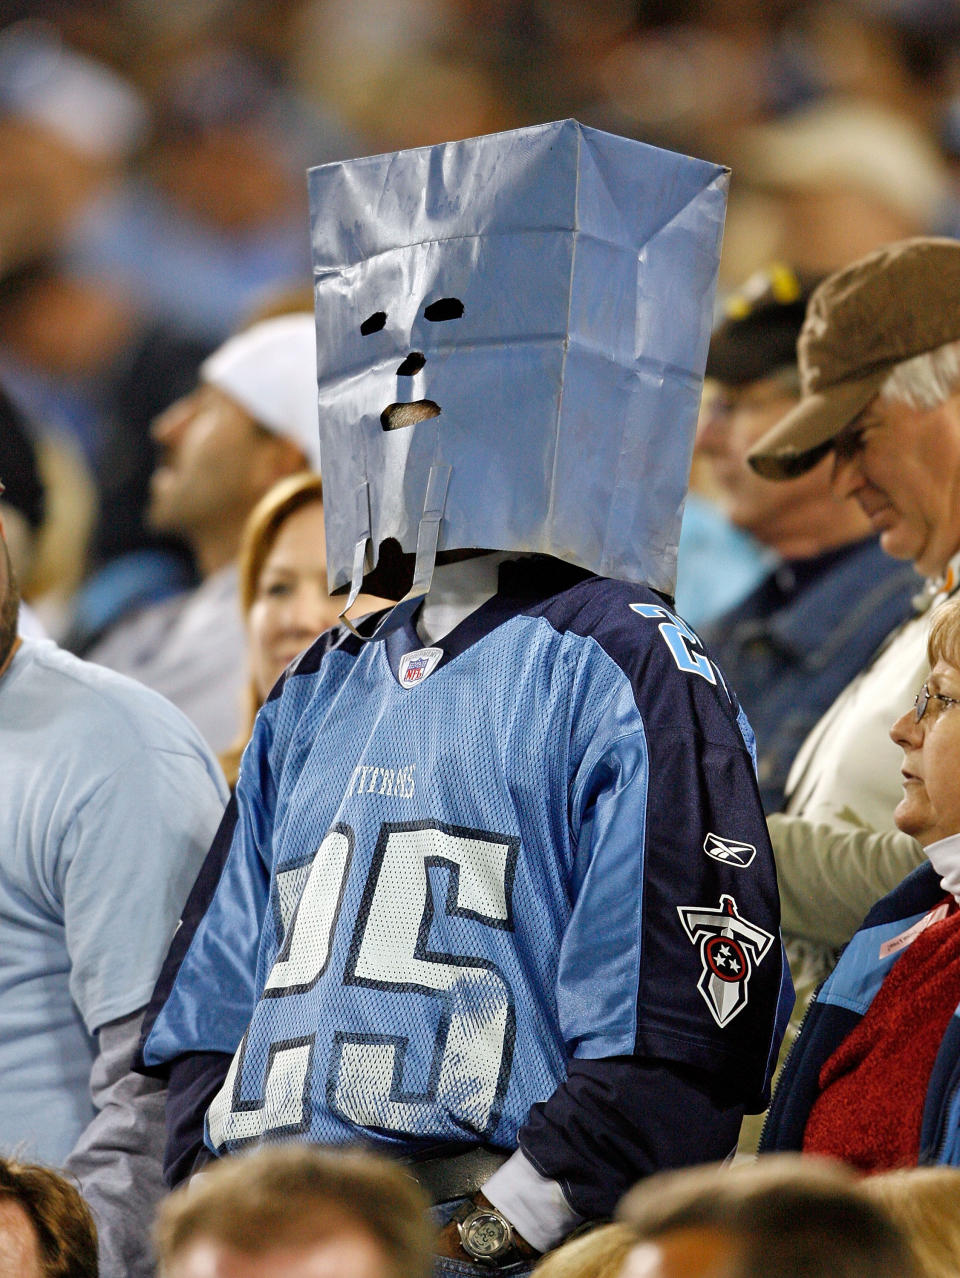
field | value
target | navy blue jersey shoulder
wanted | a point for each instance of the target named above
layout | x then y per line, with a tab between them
638	629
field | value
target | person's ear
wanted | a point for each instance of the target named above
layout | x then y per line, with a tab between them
282	458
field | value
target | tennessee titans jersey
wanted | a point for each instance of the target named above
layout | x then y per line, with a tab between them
453	868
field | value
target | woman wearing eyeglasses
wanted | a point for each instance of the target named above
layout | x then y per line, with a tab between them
874	1078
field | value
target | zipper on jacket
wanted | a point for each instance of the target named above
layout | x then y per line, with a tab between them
790	1058
941	1143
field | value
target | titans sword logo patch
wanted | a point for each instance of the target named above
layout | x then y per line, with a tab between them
730	949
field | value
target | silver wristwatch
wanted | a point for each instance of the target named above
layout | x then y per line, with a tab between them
487	1237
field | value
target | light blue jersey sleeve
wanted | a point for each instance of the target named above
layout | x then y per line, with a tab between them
597	977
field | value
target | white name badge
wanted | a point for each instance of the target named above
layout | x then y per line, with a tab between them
906	938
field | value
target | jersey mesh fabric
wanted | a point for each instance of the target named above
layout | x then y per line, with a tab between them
450	879
430	967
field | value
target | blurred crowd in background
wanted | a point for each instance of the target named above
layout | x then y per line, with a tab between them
153	204
153	200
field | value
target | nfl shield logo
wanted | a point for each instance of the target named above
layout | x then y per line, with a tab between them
416	666
730	948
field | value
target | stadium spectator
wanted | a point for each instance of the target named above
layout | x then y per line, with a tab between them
448	836
108	799
68	124
717	564
799	638
879	358
295	1211
82	357
213	218
793	644
251	420
776	1218
923	1202
46	1229
842	177
283	591
871	1078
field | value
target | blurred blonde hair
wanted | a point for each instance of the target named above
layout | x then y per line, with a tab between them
925	1203
295	1195
60	556
599	1254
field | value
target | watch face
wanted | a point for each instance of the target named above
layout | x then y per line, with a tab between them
485	1235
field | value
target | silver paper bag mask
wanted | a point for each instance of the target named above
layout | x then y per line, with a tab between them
548	292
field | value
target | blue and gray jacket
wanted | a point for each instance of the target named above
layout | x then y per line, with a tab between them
840	1004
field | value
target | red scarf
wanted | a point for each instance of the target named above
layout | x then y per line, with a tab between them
872	1089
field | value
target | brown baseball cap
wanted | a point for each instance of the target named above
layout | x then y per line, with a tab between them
897	302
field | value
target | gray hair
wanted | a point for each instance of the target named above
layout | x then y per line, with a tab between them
926	381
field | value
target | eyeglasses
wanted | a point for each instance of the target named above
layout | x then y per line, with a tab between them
923	699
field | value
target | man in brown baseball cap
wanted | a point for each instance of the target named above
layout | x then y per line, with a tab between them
877	375
879	362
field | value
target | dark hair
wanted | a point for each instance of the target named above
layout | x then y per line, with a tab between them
757	335
66	1234
294	1195
786	1216
19	468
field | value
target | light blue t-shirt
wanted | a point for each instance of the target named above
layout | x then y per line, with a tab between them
109	799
